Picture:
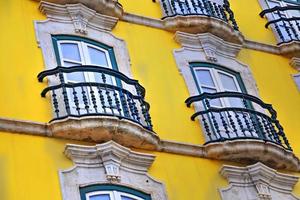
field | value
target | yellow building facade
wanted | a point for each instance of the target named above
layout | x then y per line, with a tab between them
90	135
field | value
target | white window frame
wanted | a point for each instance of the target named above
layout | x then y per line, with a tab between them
114	195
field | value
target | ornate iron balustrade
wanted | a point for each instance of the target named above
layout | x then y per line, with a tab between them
200	7
110	94
241	121
287	28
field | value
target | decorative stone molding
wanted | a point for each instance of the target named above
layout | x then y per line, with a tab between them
105	7
291	49
102	129
108	163
201	24
78	14
248	151
257	182
295	62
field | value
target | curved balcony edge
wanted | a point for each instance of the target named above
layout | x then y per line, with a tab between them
247	151
104	128
202	24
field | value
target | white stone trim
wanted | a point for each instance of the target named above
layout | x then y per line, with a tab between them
295	62
108	163
257	182
62	20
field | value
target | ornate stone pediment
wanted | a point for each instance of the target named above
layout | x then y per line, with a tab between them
78	14
105	7
257	182
108	163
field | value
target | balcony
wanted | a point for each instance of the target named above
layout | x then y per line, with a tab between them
246	130
286	27
108	106
201	16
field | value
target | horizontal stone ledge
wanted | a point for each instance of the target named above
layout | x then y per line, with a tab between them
240	151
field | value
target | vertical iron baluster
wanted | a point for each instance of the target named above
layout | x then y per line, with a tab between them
124	103
93	98
101	97
135	110
55	103
131	108
211	8
165	7
206	127
232	124
261	129
174	8
239	122
218	12
245	117
267	129
223	13
281	133
206	8
297	24
287	30
194	6
225	125
181	7
145	111
274	133
85	100
187	5
64	92
76	101
278	30
255	126
231	15
200	7
293	30
117	101
107	92
215	123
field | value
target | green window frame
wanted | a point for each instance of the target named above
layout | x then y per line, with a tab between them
56	38
110	187
219	67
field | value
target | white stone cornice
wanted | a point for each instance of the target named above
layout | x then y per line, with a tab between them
105	7
108	163
78	14
295	62
109	152
210	44
259	180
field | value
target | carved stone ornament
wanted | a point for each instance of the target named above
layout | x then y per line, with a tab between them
295	62
108	163
210	44
78	14
197	24
257	182
105	7
291	49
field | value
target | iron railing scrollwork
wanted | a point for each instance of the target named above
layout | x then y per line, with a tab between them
200	7
287	28
110	94
240	121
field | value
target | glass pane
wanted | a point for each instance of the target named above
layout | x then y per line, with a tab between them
70	51
74	76
100	197
228	82
205	78
97	57
214	102
126	198
236	102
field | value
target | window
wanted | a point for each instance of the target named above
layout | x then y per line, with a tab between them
285	27
111	192
297	80
76	51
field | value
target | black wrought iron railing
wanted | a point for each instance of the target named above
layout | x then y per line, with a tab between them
238	120
97	91
200	7
287	27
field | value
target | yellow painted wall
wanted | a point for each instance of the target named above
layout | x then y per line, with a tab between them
29	164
